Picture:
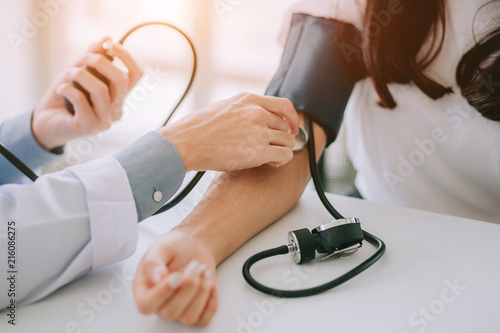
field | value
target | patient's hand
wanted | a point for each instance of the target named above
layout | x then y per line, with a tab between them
176	280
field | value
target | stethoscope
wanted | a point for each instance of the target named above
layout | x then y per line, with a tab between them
337	238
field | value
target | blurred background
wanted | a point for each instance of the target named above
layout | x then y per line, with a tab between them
236	42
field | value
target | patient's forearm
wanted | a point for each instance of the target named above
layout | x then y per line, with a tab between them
237	206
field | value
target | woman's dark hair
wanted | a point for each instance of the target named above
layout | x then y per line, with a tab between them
479	76
395	31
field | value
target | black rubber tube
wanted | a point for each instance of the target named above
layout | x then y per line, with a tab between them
172	203
17	163
189	187
185	191
374	240
193	50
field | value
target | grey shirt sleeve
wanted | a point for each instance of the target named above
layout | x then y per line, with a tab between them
153	165
16	135
155	171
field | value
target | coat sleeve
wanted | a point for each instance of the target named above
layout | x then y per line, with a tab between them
63	226
16	135
72	222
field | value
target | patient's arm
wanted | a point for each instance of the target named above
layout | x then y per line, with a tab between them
238	206
235	208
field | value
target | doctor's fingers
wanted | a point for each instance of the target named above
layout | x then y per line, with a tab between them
280	138
279	106
99	94
98	46
268	147
274	122
276	156
85	119
118	79
134	70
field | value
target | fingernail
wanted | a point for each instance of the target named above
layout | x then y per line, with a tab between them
207	274
175	280
157	273
106	44
194	267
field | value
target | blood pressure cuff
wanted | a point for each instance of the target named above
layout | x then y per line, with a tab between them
321	63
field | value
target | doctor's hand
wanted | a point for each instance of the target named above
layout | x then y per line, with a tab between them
242	132
176	280
53	125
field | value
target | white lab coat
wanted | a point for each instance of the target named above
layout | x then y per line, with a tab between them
66	224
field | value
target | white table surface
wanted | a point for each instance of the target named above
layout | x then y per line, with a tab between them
408	290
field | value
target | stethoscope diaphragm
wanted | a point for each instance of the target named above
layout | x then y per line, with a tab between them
301	139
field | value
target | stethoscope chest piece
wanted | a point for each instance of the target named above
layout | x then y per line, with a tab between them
301	139
335	239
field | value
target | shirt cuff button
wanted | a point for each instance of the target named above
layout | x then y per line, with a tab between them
157	196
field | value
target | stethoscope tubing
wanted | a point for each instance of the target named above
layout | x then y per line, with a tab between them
370	238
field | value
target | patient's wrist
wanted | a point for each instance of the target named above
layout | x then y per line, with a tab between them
204	235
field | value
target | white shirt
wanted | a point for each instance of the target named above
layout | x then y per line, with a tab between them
437	155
